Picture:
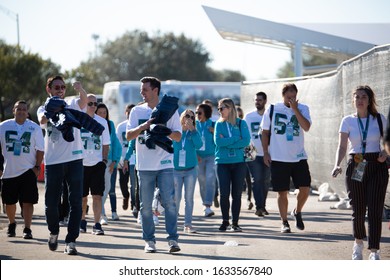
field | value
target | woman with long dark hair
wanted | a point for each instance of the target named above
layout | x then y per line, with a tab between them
114	155
366	175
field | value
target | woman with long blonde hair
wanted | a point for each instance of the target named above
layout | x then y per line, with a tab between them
231	136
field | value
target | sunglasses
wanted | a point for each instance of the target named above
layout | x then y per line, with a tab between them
198	113
90	104
221	108
189	116
59	87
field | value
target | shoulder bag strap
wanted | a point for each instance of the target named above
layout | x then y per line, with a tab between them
380	124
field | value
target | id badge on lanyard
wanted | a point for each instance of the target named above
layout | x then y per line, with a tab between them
360	163
290	132
232	152
182	152
182	158
358	172
203	138
17	147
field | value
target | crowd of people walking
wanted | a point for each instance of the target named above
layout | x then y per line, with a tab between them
160	154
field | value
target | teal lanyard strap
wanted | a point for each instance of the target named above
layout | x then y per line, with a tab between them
364	132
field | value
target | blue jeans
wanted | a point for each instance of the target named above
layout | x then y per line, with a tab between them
55	174
206	177
147	184
230	180
109	189
188	178
261	180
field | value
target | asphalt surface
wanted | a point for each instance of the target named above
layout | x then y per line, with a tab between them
327	236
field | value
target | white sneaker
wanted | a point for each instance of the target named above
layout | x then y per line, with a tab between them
374	256
103	220
189	229
155	220
139	220
357	253
150	247
115	216
208	212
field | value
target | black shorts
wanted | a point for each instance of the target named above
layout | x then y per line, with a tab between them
282	172
22	188
94	179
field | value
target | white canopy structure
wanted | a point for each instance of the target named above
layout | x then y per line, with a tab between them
246	29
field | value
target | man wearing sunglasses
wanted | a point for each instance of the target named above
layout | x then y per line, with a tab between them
63	161
96	150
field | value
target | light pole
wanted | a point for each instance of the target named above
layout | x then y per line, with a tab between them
95	37
10	13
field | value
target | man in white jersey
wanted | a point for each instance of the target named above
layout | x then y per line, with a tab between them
63	161
96	157
154	166
22	147
260	172
286	151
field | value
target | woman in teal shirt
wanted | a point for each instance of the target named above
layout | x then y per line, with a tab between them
185	166
231	136
206	157
114	155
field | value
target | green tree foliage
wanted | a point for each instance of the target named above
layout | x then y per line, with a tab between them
287	70
22	76
136	54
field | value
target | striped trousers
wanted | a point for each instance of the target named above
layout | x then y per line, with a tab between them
368	196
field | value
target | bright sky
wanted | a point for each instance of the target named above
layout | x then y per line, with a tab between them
62	30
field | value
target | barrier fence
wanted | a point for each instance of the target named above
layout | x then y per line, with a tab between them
329	97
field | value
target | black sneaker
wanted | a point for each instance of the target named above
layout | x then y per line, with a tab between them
236	228
298	220
83	226
259	213
11	230
53	242
125	204
27	234
97	229
285	227
265	212
224	226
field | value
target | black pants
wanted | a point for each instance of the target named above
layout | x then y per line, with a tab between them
368	196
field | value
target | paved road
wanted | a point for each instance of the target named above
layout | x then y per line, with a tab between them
327	237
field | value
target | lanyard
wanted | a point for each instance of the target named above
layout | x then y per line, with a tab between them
229	129
183	141
202	126
363	132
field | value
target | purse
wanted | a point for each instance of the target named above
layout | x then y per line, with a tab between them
250	151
